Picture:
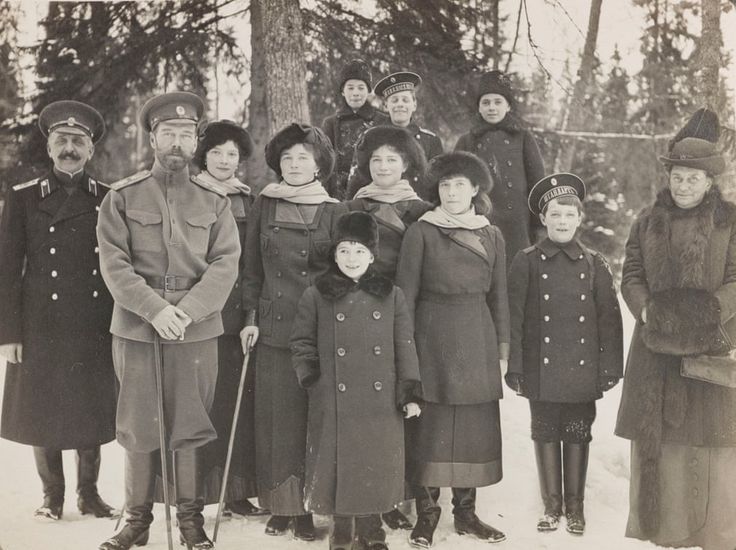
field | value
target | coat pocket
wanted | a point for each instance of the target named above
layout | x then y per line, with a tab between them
145	231
198	229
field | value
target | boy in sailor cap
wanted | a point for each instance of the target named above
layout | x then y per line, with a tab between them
566	345
59	384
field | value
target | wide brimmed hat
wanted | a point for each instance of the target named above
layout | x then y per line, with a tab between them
73	117
301	133
359	227
552	187
458	163
395	137
357	69
397	82
495	82
182	106
222	131
695	153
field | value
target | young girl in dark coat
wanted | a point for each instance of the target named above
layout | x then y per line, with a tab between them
452	269
566	345
498	137
353	350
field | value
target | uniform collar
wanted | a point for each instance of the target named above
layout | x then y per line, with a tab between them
167	176
57	179
550	248
366	111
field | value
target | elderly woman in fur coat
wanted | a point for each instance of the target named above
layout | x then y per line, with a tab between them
679	281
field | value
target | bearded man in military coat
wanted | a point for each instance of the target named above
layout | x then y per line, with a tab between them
59	383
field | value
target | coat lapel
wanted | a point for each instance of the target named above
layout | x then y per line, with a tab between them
386	215
469	240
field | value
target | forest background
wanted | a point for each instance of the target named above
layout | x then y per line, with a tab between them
276	61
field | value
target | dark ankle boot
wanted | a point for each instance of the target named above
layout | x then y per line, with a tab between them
88	499
243	507
190	500
304	527
51	471
396	520
467	522
428	516
139	482
549	470
575	459
342	531
369	533
277	525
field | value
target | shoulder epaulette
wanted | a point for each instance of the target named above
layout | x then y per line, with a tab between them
130	180
529	249
424	130
208	186
30	183
103	184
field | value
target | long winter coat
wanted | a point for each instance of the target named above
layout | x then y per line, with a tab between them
353	349
516	164
566	332
55	303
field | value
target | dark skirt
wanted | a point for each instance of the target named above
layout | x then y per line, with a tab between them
281	432
455	446
568	422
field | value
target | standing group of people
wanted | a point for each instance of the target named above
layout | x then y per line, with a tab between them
385	290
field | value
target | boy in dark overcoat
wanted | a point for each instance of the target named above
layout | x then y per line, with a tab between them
353	350
566	344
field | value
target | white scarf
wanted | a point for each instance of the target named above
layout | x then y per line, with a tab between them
400	191
231	186
309	193
468	220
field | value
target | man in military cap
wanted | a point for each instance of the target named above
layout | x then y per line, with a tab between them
169	254
59	383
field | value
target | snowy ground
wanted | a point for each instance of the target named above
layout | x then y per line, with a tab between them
513	505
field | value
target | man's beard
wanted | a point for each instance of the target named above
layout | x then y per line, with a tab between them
173	159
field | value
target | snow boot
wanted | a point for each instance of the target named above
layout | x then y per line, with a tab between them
396	520
304	527
51	471
277	525
243	507
88	499
369	533
549	469
190	500
139	483
575	459
428	516
466	522
342	531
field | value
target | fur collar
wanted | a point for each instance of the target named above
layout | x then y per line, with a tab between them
510	123
333	284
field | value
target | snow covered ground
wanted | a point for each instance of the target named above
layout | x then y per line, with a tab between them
513	505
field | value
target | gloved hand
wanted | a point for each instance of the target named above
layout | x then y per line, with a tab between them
515	381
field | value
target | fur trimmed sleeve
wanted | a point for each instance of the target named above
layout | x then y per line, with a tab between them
634	287
726	294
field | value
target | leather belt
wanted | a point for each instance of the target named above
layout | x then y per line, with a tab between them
171	283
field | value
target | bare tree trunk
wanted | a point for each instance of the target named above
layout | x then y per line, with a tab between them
496	21
710	51
576	109
258	173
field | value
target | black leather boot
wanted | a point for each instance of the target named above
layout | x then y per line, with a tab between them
428	516
51	471
466	522
342	531
139	482
395	520
277	525
549	470
369	533
88	499
243	507
575	460
304	527
190	500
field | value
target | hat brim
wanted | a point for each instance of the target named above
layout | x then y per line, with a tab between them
715	165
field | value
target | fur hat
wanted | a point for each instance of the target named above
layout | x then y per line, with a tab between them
356	69
296	133
359	227
219	132
395	137
495	82
703	124
697	153
458	163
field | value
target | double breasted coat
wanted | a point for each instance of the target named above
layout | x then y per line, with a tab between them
516	164
566	330
353	348
55	304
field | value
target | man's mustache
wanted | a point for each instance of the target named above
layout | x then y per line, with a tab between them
70	155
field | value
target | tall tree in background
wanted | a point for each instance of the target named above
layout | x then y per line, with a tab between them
710	56
10	86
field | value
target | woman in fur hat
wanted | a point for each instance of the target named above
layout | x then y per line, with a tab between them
679	281
355	115
385	155
353	350
287	245
452	269
499	137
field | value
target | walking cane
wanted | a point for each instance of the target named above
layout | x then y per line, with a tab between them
234	426
162	433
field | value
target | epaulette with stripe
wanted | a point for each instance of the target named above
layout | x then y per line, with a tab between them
529	249
208	186
425	131
30	183
103	184
130	180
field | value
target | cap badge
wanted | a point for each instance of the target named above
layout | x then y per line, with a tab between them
393	79
180	110
71	121
553	181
